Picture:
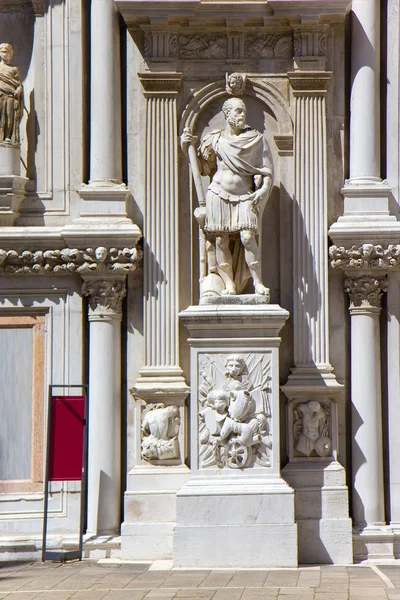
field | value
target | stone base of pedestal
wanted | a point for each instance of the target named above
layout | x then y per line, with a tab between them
150	512
235	510
322	512
235	524
374	543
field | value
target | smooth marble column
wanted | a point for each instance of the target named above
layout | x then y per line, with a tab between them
365	90
367	455
105	99
104	472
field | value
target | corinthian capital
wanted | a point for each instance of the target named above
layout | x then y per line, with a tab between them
105	296
365	291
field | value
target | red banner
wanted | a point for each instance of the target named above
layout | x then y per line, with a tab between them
66	438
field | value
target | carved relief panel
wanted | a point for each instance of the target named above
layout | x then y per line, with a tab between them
160	428
234	417
312	429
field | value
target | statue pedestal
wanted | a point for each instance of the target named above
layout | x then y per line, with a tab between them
235	510
12	185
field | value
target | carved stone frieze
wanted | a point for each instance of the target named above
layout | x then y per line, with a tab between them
312	429
95	261
309	43
204	45
160	428
105	295
267	45
234	411
365	291
366	256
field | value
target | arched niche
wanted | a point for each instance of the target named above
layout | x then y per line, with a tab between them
268	111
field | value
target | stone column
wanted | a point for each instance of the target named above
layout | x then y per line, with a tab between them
367	459
105	93
104	472
365	90
310	269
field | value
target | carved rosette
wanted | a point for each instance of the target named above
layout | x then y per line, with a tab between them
105	296
365	291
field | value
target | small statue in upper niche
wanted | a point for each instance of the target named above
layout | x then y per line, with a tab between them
11	98
229	214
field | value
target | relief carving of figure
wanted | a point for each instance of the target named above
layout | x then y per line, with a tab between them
311	429
11	98
160	428
234	416
229	214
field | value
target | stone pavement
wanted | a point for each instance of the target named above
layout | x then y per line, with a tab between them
88	580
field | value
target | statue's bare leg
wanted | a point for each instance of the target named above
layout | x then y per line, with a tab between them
252	258
224	263
211	257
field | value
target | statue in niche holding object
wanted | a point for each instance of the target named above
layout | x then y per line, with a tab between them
11	98
229	214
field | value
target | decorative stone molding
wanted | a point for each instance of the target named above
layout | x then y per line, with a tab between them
309	43
365	291
165	83
268	45
202	45
366	256
93	261
105	296
284	143
160	429
234	411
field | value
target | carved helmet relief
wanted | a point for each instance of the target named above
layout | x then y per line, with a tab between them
234	411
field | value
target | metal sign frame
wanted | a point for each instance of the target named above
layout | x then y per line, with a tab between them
61	555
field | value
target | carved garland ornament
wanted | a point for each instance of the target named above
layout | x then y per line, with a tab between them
95	261
234	411
367	256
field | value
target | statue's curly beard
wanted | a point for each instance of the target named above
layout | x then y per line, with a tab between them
239	121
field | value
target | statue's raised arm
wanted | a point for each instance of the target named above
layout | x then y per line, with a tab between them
229	214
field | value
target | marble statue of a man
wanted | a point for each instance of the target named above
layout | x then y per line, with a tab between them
241	180
11	97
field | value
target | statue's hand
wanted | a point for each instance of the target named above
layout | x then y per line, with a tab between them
200	215
187	139
258	197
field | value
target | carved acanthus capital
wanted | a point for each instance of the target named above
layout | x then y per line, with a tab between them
365	291
105	296
91	261
366	256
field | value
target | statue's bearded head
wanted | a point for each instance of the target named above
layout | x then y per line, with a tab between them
234	110
6	52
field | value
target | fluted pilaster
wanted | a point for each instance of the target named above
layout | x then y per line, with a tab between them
311	338
161	265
